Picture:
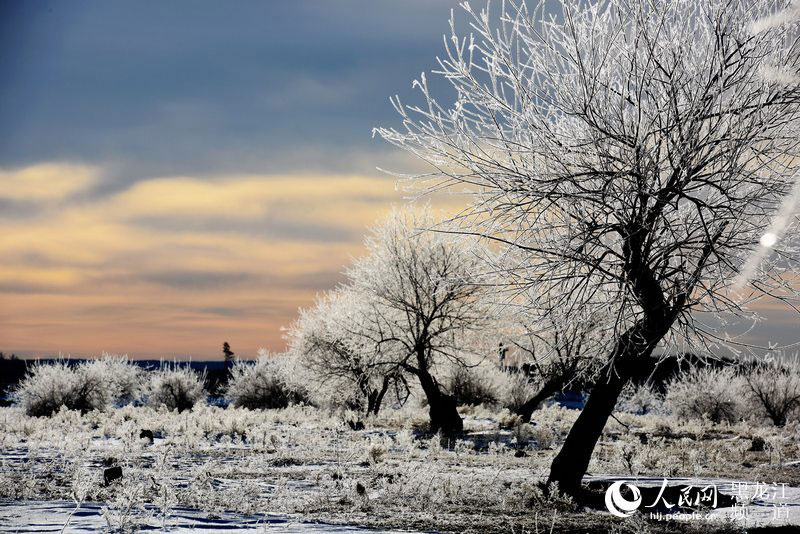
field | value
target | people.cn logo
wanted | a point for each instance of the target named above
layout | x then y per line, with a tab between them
617	504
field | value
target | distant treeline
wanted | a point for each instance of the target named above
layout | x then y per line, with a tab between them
12	370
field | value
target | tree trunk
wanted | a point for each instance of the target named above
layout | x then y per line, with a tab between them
630	357
444	415
377	399
372	400
550	388
363	386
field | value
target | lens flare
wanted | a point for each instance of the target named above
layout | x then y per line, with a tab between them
780	224
768	240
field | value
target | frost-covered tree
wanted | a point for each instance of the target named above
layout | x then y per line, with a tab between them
332	340
645	150
423	302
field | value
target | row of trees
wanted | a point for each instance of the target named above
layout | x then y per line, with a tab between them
423	304
755	391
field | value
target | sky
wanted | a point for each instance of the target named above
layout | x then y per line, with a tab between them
174	175
178	174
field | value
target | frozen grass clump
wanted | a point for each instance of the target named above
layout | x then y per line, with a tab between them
715	394
47	388
267	383
175	387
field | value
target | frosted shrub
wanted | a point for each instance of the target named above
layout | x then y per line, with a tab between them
774	390
267	383
545	435
716	394
517	390
640	399
47	388
486	384
473	385
123	378
177	388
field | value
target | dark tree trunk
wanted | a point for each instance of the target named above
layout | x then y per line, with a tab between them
444	415
631	357
372	400
376	397
550	388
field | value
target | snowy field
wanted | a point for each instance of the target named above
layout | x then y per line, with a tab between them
52	516
302	469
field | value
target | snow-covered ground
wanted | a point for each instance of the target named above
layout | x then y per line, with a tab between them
759	505
52	516
237	470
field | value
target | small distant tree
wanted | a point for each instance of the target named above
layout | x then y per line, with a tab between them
228	354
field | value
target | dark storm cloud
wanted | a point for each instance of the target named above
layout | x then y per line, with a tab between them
192	87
